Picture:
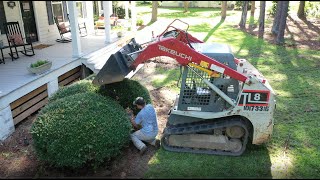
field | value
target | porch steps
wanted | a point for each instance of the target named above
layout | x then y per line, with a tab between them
97	59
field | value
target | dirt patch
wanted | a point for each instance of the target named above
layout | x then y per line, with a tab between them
17	158
299	33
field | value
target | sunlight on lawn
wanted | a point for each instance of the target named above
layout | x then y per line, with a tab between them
282	164
293	151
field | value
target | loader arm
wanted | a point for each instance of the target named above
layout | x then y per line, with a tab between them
176	44
184	55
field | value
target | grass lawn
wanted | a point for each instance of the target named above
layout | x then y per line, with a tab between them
294	74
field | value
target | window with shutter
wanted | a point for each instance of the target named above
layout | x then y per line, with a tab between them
58	11
3	18
49	12
65	10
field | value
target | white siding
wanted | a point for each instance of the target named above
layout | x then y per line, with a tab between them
12	15
46	33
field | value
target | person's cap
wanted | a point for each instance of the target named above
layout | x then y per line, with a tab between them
139	101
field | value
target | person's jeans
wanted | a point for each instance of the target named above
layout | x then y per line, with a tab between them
137	138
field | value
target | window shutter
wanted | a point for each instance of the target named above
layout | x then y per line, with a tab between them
84	9
2	18
49	12
65	12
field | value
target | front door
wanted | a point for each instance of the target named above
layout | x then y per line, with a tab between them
29	22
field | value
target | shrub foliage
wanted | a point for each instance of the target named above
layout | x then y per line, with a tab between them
125	92
85	127
81	86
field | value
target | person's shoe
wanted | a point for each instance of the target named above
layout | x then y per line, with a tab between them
143	150
157	144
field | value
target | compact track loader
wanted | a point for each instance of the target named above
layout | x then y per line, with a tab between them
224	102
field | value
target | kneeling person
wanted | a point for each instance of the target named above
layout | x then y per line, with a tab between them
147	118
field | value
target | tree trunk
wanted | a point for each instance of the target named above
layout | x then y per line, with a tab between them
261	18
275	26
186	5
282	22
253	7
242	23
223	9
301	13
154	11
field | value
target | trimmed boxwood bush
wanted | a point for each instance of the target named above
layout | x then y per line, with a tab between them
125	92
82	128
81	86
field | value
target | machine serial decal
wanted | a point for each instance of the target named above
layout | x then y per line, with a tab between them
174	52
254	98
194	108
256	108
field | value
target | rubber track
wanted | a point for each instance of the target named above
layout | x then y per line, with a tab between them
191	128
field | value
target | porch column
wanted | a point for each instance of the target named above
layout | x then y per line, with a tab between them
133	16
6	123
99	8
76	45
89	19
107	24
126	7
110	8
52	86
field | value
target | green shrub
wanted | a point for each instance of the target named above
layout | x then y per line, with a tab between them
38	63
238	5
139	22
90	77
81	86
313	9
125	92
120	10
79	129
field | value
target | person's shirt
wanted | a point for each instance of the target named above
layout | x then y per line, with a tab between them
147	117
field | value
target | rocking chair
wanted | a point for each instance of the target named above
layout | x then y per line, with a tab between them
62	30
80	26
15	39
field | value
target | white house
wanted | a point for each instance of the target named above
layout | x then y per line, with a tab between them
22	93
36	17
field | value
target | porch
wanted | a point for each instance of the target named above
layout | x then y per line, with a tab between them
22	93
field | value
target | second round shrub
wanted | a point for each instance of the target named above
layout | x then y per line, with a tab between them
125	92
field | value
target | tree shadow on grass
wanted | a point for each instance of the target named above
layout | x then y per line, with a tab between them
311	26
213	30
301	28
299	118
254	163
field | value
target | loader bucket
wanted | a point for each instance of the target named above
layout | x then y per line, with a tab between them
114	70
118	65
